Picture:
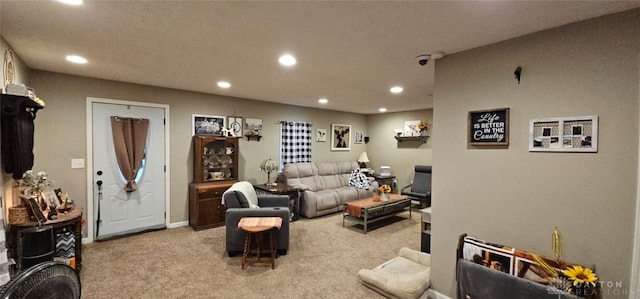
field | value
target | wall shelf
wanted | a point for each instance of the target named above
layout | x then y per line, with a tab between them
256	137
412	138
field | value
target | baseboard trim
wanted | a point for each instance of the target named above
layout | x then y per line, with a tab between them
178	224
171	225
433	294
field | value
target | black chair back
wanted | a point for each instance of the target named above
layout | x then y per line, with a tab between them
422	179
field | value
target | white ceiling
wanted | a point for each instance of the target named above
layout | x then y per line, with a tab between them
348	52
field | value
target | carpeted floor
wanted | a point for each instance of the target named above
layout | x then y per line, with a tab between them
322	262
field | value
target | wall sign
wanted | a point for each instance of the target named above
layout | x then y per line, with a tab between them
488	127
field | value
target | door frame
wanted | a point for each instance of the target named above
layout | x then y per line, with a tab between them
90	184
634	279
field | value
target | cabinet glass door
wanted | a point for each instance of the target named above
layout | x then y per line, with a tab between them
218	161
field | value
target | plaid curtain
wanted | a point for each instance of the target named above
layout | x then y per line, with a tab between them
295	142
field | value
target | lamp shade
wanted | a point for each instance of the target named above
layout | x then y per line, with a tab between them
364	158
268	165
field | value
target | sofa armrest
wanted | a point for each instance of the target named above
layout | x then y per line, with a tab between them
299	186
374	185
265	201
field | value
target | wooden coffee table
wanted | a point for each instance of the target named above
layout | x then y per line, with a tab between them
367	210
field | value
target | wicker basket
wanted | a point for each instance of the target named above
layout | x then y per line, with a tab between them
18	214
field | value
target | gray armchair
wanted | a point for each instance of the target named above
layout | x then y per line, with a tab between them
238	198
420	189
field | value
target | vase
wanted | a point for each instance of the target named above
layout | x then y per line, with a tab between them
384	196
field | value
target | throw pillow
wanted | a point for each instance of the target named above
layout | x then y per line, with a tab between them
358	179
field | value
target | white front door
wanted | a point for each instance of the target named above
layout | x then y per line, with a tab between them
118	212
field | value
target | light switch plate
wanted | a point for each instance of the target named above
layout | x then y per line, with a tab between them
77	163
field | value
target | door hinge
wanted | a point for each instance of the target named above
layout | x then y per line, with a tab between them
164	121
165	168
165	215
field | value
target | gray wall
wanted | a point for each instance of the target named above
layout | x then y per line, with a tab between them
384	149
516	197
61	130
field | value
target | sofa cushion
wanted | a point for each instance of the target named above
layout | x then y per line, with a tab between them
324	199
302	175
346	194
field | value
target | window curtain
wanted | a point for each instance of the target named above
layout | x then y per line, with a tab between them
129	140
295	143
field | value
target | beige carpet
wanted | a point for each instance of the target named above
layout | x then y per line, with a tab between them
322	262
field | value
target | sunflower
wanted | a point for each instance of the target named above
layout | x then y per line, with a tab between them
384	189
580	275
423	125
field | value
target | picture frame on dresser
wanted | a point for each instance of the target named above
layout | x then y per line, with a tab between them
207	124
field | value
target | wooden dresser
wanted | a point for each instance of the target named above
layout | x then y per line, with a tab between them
215	169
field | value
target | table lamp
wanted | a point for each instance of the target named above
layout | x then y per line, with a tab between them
268	166
363	160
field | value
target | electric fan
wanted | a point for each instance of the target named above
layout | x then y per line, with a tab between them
48	280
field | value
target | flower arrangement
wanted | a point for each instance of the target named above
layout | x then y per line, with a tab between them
423	126
384	189
34	183
575	279
580	276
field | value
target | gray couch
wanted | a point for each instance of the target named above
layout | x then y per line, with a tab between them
325	186
269	206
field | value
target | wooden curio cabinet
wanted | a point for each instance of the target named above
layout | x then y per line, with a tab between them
215	169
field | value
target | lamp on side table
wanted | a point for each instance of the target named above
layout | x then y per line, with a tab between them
363	160
268	166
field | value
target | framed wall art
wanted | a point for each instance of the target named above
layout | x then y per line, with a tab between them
253	127
488	127
564	134
340	137
359	137
321	135
235	124
411	128
207	124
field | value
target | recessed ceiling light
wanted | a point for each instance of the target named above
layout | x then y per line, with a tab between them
287	60
323	101
224	84
76	59
396	89
382	109
71	2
